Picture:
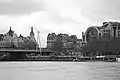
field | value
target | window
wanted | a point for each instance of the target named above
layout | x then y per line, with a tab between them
114	24
118	35
118	25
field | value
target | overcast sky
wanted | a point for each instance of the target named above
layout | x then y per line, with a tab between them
59	16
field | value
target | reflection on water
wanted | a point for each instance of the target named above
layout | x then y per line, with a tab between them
59	71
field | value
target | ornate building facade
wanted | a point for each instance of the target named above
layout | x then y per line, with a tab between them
68	41
11	39
107	31
51	39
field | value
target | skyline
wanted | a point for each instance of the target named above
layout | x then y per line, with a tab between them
58	16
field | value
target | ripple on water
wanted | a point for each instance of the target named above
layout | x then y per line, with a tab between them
59	70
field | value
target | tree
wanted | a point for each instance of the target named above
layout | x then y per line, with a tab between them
1	37
95	46
58	45
107	47
114	45
29	45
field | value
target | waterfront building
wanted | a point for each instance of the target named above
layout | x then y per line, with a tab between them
107	31
79	43
7	39
69	42
64	38
51	39
11	39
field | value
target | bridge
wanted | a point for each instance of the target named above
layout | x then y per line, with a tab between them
21	53
9	50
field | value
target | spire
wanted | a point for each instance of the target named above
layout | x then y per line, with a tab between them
10	32
10	28
32	29
32	33
21	36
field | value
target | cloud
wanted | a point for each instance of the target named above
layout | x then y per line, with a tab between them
102	10
64	11
57	18
52	7
18	7
59	11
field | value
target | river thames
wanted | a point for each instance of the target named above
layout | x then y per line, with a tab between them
59	70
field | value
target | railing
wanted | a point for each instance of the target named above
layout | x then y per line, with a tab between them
24	50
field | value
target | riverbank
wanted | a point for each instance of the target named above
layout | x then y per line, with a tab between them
67	59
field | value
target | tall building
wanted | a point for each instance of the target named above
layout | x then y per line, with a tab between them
107	31
32	35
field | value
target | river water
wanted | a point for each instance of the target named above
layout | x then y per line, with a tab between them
59	70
